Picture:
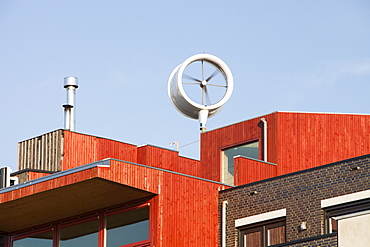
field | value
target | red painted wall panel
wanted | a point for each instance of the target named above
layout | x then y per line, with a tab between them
296	141
310	140
34	175
213	142
185	212
80	149
157	157
248	170
189	166
48	185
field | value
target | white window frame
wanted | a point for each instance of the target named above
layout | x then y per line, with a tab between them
345	199
339	200
260	217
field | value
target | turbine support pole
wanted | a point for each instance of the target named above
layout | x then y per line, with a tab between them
203	116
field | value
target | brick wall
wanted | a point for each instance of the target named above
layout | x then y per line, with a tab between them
301	194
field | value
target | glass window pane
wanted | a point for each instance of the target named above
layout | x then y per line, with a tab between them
44	239
128	227
247	150
80	235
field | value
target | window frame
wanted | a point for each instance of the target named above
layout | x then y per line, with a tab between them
262	227
336	212
225	148
101	215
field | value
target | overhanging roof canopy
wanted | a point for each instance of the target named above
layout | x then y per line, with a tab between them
65	201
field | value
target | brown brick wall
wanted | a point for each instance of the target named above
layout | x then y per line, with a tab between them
325	241
301	194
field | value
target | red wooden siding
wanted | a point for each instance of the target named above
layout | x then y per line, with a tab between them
48	185
214	141
182	203
34	175
167	159
248	170
189	166
157	157
295	141
184	209
310	140
80	149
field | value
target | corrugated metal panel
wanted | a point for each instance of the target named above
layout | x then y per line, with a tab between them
41	153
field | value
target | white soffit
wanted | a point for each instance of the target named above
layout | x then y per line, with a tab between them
345	198
260	217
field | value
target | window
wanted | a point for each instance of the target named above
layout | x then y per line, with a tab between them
44	239
248	150
262	229
128	227
263	234
351	221
83	234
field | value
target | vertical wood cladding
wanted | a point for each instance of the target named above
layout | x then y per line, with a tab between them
295	141
309	140
300	193
61	150
81	149
30	175
185	210
167	159
42	152
214	141
248	170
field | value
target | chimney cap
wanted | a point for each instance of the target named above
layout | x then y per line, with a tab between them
71	81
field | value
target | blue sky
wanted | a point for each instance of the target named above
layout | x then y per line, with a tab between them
310	56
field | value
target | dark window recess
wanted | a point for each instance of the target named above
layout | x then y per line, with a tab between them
262	234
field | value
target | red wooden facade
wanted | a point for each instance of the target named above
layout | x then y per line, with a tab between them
182	192
295	141
249	170
180	202
80	149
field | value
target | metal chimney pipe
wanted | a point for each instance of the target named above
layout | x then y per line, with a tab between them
70	84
